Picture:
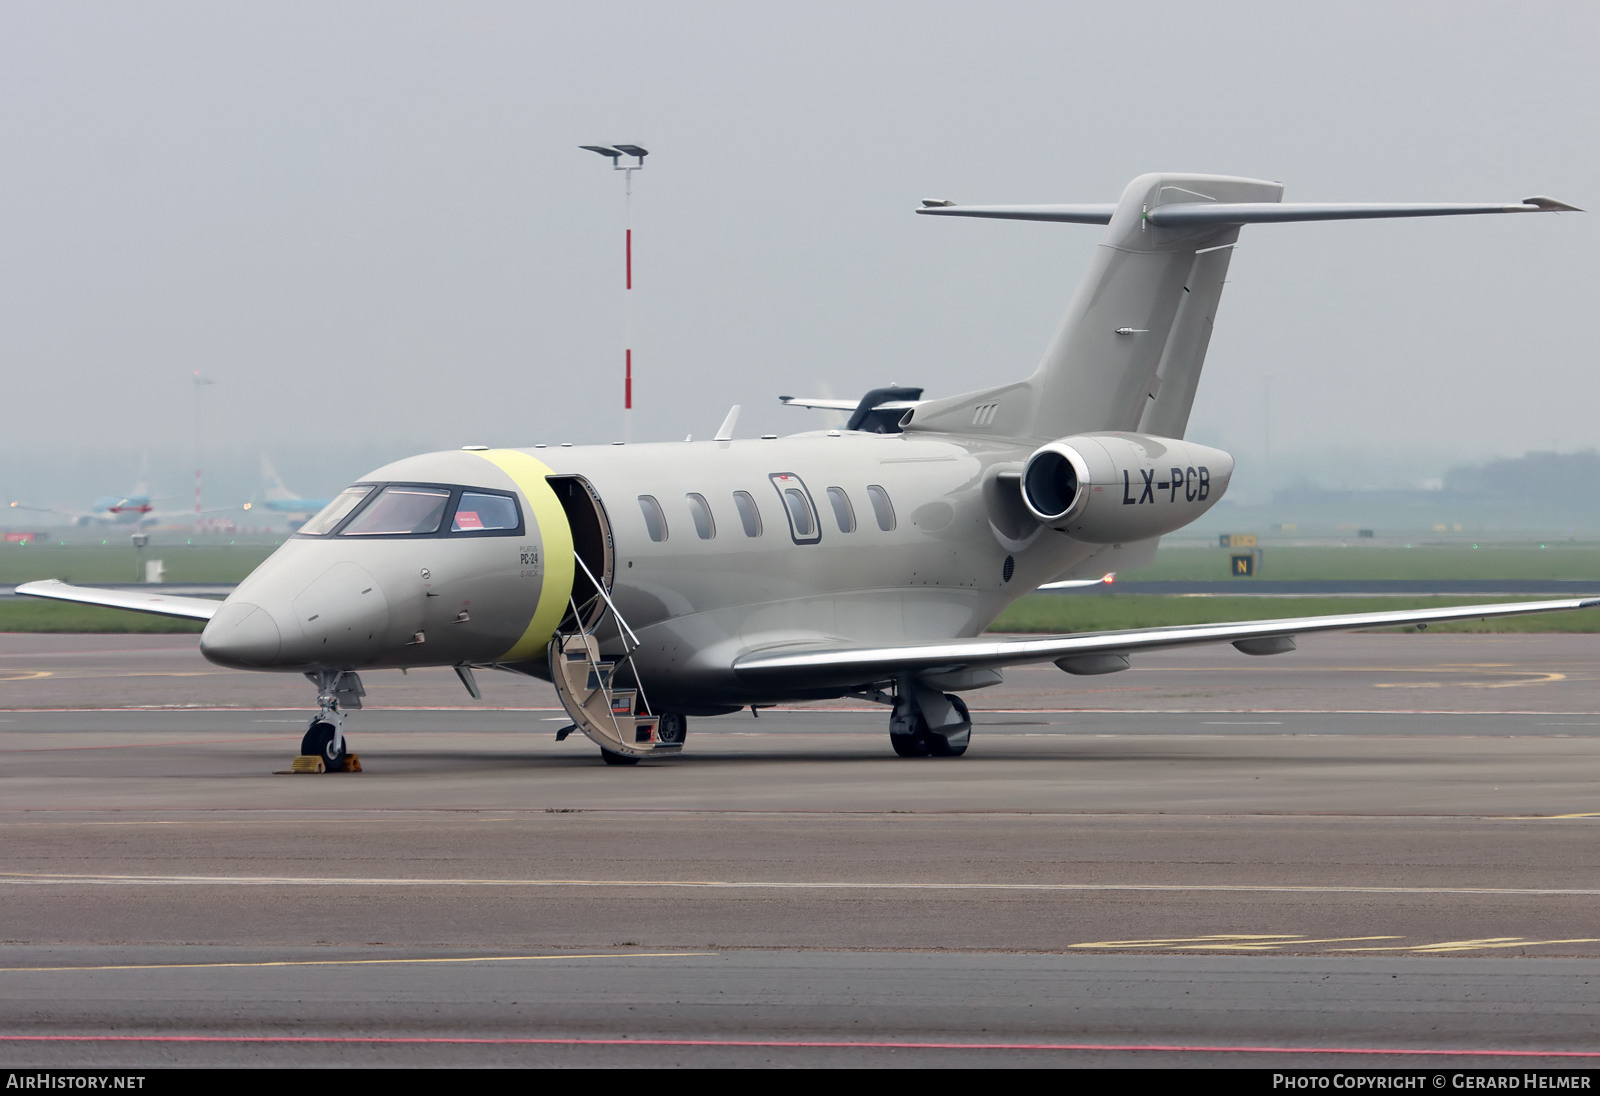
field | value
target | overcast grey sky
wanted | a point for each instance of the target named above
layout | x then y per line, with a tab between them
371	225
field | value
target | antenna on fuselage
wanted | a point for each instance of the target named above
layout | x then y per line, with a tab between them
725	431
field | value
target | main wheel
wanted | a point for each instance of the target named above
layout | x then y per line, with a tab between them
953	745
321	741
909	745
672	728
610	757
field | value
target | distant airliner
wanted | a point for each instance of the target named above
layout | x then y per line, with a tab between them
279	499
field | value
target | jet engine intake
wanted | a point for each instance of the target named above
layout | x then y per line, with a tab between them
1111	488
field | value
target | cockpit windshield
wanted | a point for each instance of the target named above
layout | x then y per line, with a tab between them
401	510
335	512
417	510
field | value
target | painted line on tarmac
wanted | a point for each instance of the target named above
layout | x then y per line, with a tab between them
59	879
135	650
798	1044
202	709
1255	942
362	962
209	709
146	745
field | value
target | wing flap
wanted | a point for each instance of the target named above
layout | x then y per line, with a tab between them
189	608
819	667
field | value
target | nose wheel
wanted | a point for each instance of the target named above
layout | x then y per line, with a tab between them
325	739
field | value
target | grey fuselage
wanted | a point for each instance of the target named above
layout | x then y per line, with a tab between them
695	603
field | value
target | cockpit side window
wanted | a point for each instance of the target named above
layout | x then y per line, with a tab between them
401	510
335	512
483	513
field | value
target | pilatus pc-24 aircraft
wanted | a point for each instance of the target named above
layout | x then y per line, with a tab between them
651	583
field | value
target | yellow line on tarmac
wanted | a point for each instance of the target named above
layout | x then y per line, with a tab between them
1227	942
1481	945
1541	817
362	962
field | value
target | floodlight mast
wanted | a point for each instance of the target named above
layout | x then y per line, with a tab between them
615	153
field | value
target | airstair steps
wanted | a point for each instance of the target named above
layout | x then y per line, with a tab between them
607	712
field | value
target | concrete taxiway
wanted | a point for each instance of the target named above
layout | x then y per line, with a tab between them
1375	848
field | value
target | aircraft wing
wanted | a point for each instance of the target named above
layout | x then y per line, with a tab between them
190	608
818	667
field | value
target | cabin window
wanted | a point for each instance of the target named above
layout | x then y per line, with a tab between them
881	506
654	520
748	514
799	512
843	512
401	510
480	513
335	512
700	510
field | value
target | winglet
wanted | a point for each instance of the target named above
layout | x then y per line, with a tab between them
1550	205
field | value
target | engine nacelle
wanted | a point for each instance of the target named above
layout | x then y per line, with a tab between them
1114	488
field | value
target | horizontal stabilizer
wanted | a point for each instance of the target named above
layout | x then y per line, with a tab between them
819	404
1199	214
189	608
1072	214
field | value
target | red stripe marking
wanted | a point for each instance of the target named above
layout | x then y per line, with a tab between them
627	379
839	1044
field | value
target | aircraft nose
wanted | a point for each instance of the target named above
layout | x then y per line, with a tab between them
241	635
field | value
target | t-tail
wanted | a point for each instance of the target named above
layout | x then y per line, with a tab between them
1128	353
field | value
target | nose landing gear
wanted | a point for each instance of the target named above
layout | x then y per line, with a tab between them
337	691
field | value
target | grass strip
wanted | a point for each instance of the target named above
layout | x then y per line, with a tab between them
28	615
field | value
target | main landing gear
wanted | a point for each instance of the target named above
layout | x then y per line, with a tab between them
337	692
928	723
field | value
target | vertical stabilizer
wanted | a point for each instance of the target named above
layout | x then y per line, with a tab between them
272	483
1104	362
1128	354
1132	343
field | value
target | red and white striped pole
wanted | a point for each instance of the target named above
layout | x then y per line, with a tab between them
615	154
627	306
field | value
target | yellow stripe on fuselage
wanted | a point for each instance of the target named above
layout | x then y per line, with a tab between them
555	546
